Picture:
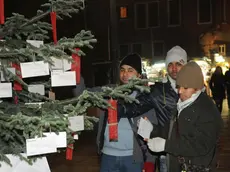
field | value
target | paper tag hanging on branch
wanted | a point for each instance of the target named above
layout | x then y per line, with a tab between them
2	17
17	86
69	152
76	66
112	120
53	16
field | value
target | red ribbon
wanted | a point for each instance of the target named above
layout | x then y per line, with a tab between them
16	100
53	16
2	17
112	120
17	86
76	66
69	152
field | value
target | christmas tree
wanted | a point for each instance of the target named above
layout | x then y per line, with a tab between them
18	119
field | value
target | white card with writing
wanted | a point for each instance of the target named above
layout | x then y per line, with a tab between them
41	145
37	88
34	69
35	43
145	128
59	79
60	64
11	69
61	140
76	123
5	90
40	165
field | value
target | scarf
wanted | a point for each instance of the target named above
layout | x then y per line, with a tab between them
181	105
172	82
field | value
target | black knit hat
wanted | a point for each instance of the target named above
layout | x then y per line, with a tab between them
133	60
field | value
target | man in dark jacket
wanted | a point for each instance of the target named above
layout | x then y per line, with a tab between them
163	96
195	129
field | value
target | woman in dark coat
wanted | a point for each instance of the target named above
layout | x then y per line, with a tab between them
217	86
192	135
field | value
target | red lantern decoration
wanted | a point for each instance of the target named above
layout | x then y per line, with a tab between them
112	120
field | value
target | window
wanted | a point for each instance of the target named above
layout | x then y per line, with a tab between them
223	10
158	48
141	21
123	12
137	48
124	50
147	15
174	12
153	14
222	49
204	12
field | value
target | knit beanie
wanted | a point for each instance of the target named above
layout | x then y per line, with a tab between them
190	76
176	54
133	60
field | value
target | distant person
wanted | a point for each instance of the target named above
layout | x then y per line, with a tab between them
227	83
217	86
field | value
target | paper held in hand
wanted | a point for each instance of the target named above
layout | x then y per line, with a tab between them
145	128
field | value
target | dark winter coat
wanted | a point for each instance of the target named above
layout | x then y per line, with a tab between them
217	86
162	98
227	80
194	134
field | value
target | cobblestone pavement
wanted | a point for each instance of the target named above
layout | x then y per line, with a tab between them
85	157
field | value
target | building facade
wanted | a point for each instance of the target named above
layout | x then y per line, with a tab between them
152	27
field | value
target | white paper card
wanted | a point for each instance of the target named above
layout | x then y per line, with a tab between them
39	88
67	64
35	103
145	128
41	145
11	69
75	137
60	64
76	123
35	43
5	90
60	138
33	69
40	165
63	78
